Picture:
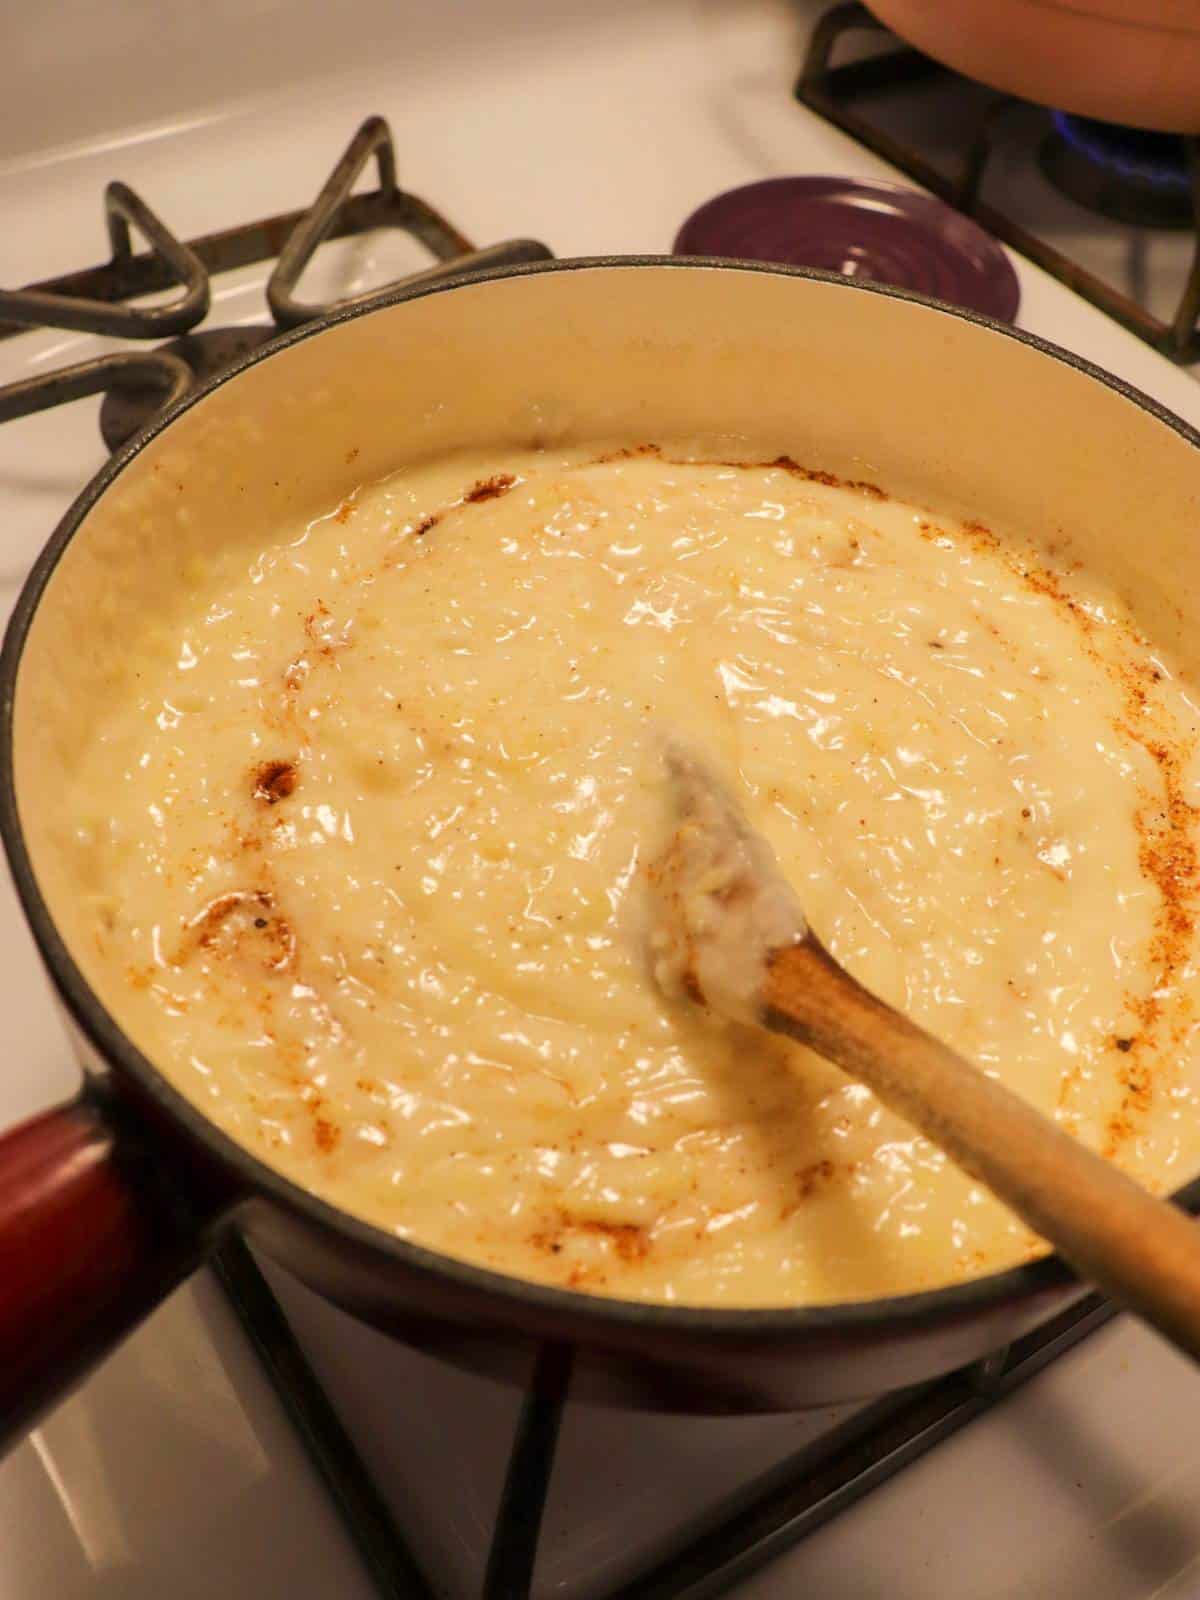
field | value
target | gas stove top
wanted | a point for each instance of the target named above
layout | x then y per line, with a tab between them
252	1439
1114	213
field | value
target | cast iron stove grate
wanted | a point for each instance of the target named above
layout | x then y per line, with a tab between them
762	1520
138	384
963	127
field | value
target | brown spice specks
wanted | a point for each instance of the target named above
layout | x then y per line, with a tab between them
630	1240
295	674
326	1134
809	1178
627	453
274	781
1168	854
1169	859
809	1181
813	475
783	463
242	922
485	489
489	488
213	917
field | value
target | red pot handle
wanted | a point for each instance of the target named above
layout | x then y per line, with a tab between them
90	1242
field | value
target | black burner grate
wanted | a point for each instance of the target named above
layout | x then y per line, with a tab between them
139	385
766	1517
853	94
1125	174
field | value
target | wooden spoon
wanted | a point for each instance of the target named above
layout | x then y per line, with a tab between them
732	935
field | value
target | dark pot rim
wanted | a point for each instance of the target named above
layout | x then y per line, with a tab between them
925	1309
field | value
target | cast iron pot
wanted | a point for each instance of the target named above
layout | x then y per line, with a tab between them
108	1202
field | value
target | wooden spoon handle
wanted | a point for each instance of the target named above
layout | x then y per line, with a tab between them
1143	1251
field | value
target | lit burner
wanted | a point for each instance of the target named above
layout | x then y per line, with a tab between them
1128	174
882	232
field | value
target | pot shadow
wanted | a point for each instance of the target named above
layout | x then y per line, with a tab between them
1149	1529
1105	1527
171	1473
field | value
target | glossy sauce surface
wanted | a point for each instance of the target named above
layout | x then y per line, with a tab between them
364	842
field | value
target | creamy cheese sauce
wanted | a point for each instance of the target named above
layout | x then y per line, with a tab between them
364	844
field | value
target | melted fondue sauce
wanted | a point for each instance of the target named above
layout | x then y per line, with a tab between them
364	845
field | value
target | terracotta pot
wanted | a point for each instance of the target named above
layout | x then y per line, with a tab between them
106	1203
1135	62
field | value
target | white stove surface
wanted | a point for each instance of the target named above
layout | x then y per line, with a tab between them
173	1470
